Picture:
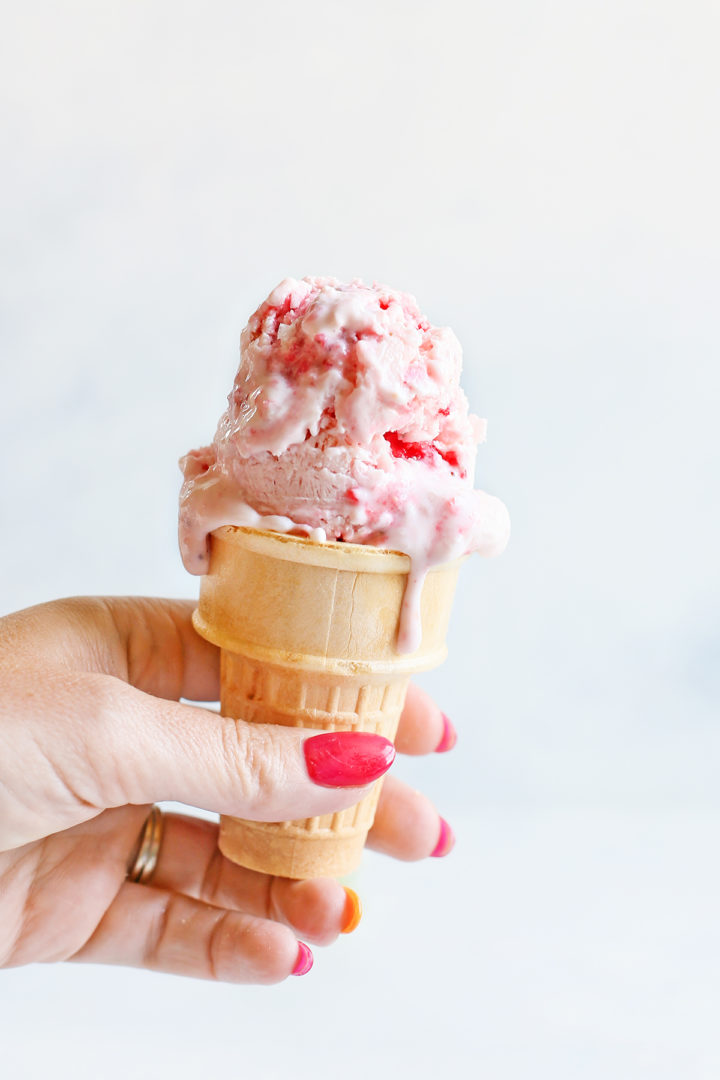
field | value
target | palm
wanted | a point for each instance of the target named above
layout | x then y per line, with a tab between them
56	891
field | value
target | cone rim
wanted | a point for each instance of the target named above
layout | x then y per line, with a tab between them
333	554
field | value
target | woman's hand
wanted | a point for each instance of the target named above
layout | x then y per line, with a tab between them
92	733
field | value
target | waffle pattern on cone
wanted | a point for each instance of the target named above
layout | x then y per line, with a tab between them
307	634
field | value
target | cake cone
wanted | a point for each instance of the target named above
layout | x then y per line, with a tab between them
307	633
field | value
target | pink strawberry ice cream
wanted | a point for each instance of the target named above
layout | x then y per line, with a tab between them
346	422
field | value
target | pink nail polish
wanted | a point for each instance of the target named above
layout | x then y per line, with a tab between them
449	736
304	960
446	841
347	758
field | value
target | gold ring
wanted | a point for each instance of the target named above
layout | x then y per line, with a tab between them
144	859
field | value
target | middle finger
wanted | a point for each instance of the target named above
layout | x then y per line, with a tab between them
191	863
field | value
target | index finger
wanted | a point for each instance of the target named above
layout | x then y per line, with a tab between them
423	728
165	655
152	644
149	643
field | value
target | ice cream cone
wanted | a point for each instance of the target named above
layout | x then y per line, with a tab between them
307	633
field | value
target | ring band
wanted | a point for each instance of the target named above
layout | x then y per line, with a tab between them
142	865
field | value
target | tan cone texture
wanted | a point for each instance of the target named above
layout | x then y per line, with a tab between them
307	633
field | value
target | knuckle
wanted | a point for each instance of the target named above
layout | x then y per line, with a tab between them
253	761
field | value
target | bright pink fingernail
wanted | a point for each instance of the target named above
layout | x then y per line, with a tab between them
446	841
347	758
304	960
449	736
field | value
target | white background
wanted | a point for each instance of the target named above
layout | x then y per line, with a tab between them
544	178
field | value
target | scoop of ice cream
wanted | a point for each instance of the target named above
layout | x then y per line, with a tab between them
346	422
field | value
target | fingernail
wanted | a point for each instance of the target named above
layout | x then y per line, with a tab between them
449	736
304	960
446	841
352	913
347	758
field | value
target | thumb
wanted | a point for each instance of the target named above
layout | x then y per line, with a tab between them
150	750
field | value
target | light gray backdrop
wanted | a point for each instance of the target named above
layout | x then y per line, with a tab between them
543	177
